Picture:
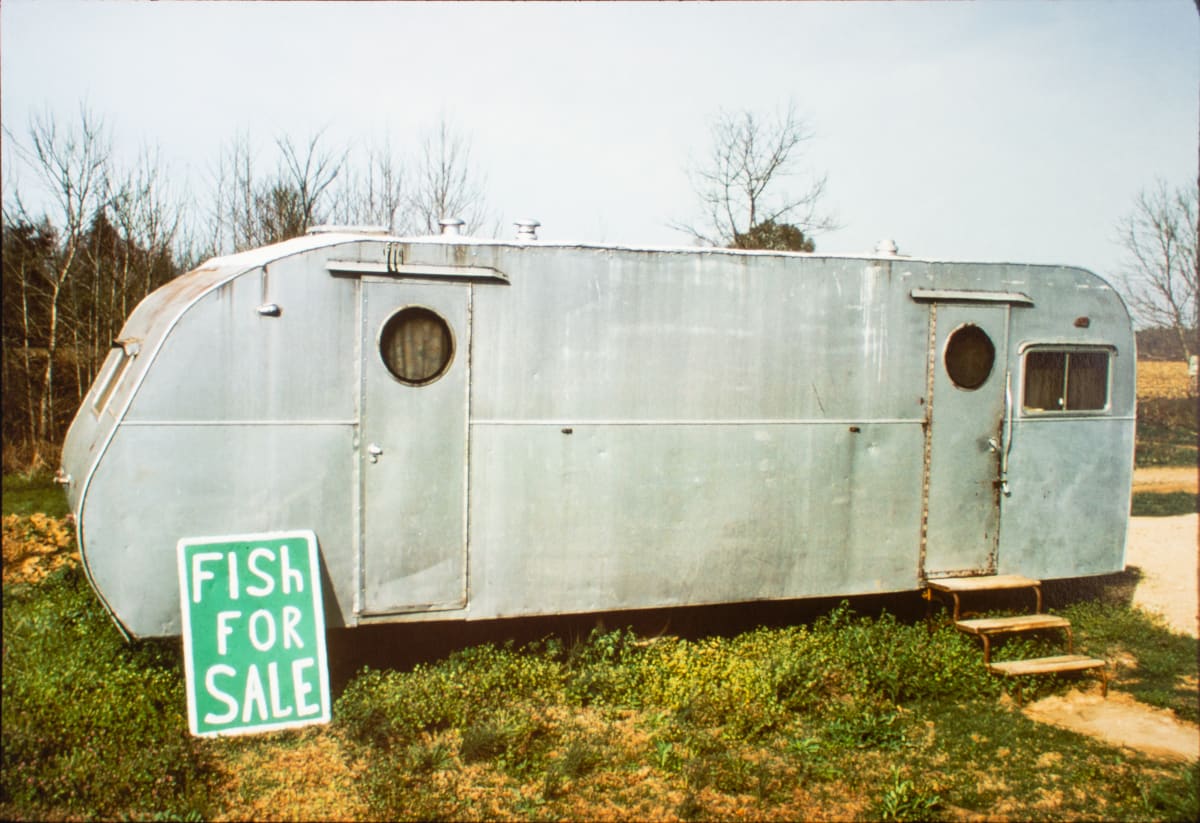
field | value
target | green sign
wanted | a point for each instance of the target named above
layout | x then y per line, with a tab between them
253	632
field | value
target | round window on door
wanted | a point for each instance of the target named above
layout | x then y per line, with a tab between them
970	356
416	345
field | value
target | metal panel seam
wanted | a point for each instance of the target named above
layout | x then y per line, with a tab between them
927	447
693	422
466	501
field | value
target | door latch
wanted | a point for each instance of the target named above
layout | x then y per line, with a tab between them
374	450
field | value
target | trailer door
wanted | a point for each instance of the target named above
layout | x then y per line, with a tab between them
967	408
413	444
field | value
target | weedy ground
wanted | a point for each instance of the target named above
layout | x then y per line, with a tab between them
848	716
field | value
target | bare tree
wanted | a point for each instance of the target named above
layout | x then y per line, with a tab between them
743	183
445	184
99	239
29	252
1161	269
72	166
375	195
129	252
249	209
305	173
231	218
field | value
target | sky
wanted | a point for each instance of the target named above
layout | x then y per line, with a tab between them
1015	131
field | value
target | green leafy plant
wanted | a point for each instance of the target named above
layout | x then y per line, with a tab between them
93	727
904	801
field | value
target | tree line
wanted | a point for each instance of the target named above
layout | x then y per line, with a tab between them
99	234
86	237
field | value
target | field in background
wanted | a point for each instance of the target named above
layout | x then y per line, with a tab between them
1166	483
1162	380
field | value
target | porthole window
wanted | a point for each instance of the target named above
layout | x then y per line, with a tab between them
970	356
416	345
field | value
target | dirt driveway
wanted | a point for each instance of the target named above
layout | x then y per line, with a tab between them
1165	550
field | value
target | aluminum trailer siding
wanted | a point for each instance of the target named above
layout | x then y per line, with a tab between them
481	429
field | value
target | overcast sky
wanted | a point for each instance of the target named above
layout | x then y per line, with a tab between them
992	131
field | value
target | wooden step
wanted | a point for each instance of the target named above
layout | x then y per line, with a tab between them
983	583
957	586
1046	665
1007	625
1050	665
987	627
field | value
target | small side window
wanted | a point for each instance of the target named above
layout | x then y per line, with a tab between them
111	377
1066	380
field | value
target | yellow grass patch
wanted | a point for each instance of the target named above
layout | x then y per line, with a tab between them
1162	379
290	776
35	546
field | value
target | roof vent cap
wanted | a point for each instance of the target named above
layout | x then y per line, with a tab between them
451	225
527	228
887	248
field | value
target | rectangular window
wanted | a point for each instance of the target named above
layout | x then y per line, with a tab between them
1066	380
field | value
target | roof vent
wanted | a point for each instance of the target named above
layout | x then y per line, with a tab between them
527	228
887	248
451	225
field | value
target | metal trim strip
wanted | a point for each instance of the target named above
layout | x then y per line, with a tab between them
970	296
227	423
415	270
849	421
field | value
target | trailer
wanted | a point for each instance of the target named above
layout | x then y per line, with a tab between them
479	429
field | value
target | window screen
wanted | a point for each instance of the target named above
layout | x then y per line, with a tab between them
1062	381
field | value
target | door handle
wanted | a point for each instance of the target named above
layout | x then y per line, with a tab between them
374	450
1007	433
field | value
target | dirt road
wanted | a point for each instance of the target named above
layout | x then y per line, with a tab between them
1163	479
1165	550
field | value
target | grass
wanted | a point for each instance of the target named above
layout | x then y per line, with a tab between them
1159	504
1166	432
92	727
36	494
851	716
1166	436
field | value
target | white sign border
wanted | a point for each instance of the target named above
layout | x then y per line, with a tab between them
310	537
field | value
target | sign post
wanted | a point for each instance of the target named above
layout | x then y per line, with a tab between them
253	633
